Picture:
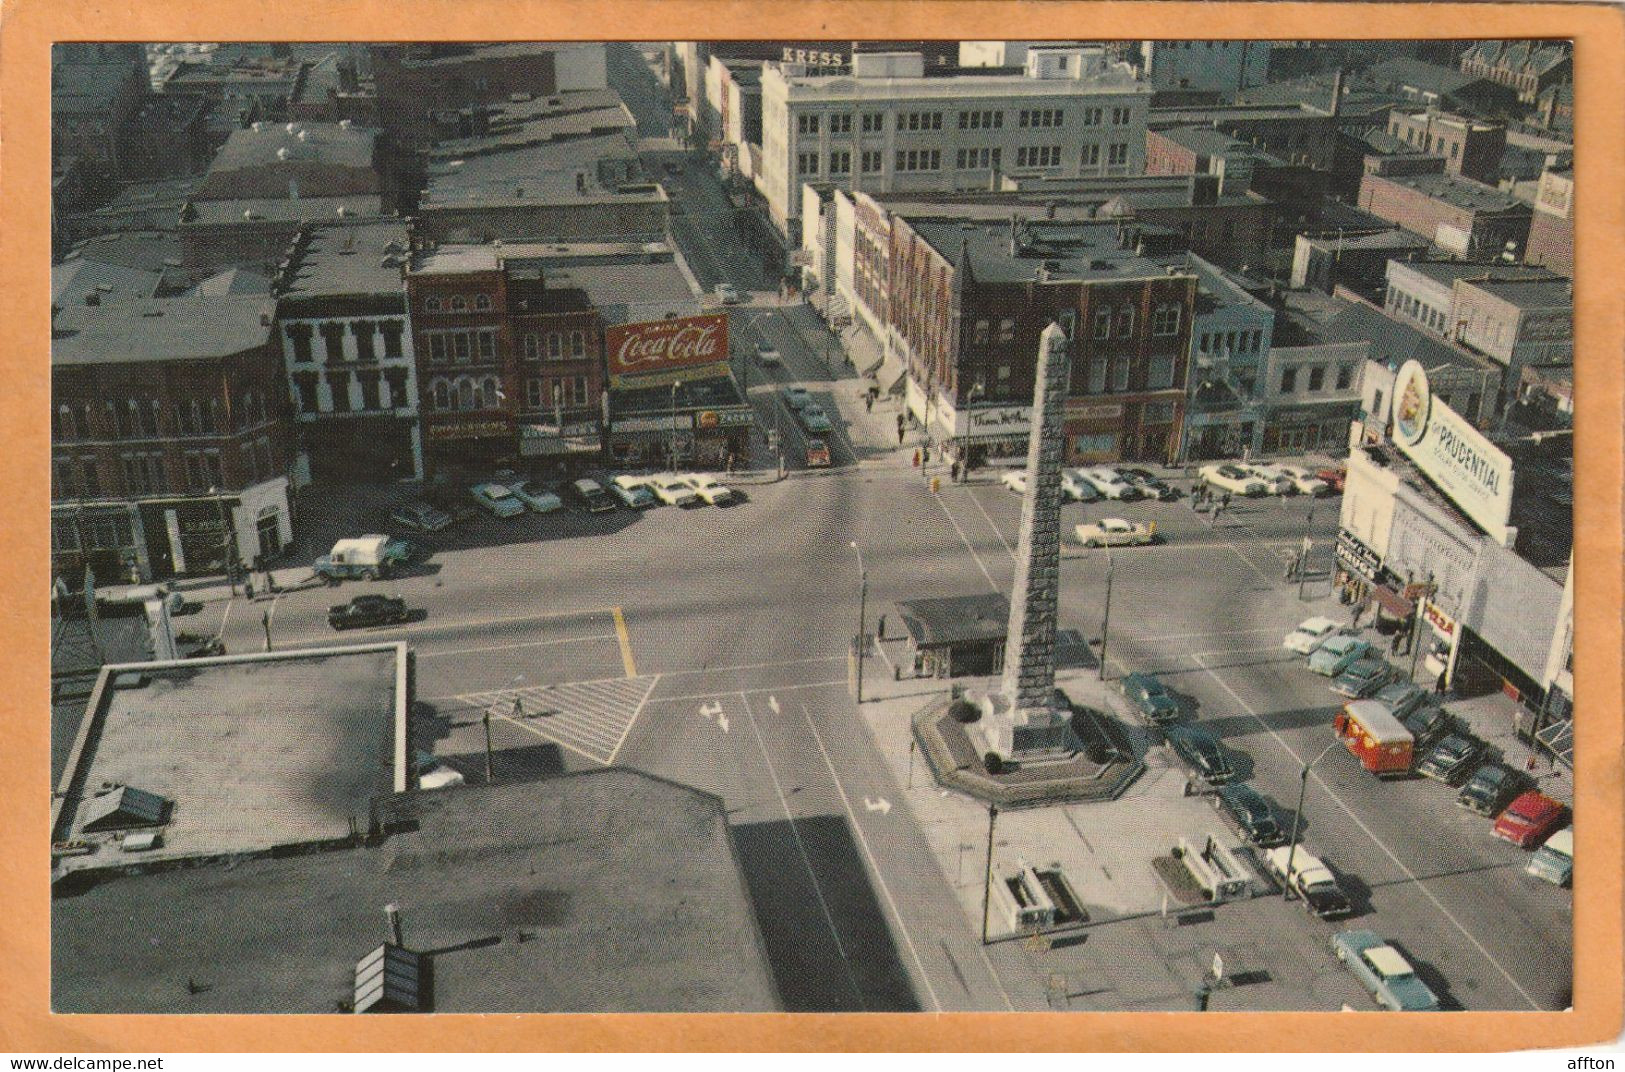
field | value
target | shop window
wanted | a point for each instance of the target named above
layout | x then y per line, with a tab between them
1317	378
482	302
1007	330
1289	380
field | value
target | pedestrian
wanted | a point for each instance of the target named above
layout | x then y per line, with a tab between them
880	628
1439	685
1224	501
248	587
1394	644
899	431
953	472
868	403
730	463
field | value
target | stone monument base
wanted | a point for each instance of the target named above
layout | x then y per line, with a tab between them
1026	737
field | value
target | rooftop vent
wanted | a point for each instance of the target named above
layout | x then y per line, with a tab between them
389	979
258	125
282	153
346	124
125	806
292	128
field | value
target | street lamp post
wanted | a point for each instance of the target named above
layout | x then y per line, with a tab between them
987	872
674	385
863	609
1303	563
226	554
1416	628
1297	819
1106	618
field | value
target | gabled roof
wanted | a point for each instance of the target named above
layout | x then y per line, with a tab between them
123	807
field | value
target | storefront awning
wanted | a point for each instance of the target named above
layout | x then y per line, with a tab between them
1392	603
1558	738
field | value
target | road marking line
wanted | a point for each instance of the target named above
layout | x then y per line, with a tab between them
1267	578
626	642
1378	841
1277	649
670	673
636	711
966	540
874	865
795	831
764	688
1010	550
551	739
1214	633
511	647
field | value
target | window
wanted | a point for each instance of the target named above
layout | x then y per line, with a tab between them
392	337
1117	154
1004	372
1120	374
64	536
1120	117
1092	116
333	340
1007	330
143	473
1103	323
439	348
912	121
981	120
555	345
871	161
461	348
919	159
1040	117
1091	156
841	124
1345	376
981	333
806	124
840	162
1125	322
578	344
1160	375
983	158
363	332
533	393
1376	401
482	302
62	427
1038	156
533	347
1165	321
431	305
806	163
1289	380
441	395
874	123
488	345
339	383
459	304
299	336
1317	378
491	393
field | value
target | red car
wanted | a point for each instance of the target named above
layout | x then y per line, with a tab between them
1530	819
1334	477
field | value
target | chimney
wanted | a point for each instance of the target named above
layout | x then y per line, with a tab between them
393	914
1337	93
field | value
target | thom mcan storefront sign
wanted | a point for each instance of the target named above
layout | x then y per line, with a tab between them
1476	474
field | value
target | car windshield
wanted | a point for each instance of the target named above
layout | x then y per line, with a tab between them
497	491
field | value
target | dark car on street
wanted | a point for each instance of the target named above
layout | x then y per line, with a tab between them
1148	482
1149	695
1402	697
1362	678
420	517
590	497
451	501
1427	723
1252	814
367	610
1452	758
1201	752
1489	789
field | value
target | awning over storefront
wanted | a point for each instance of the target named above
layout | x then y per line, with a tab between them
1392	603
1558	740
893	375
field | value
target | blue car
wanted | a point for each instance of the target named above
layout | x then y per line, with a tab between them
1336	653
1384	972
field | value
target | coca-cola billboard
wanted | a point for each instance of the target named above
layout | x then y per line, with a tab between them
665	346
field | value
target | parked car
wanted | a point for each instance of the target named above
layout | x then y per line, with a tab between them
497	500
1335	477
1149	483
709	489
1276	481
633	491
1075	486
1451	759
536	496
419	516
1362	677
767	356
367	610
1401	697
728	294
795	397
673	490
1148	694
1015	480
1202	752
817	454
814	419
1554	861
1232	478
1384	972
1302	871
1306	482
1251	812
1110	483
1426	723
440	776
1336	653
1530	819
1490	787
451	501
1310	634
590	496
1114	532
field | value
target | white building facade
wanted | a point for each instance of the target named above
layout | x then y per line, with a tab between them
887	127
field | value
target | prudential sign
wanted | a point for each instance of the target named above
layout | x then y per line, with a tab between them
1475	473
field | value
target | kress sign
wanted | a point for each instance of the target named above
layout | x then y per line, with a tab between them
664	346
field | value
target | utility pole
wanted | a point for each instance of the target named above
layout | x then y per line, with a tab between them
987	875
1106	619
265	622
1297	818
863	606
487	721
1303	563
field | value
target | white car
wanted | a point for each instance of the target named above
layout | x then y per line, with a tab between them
1077	487
1274	479
767	356
440	777
728	294
1015	480
536	496
672	490
1234	479
1306	482
497	500
1114	532
633	491
1110	483
1310	634
709	489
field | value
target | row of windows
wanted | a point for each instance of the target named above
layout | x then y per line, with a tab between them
299	337
147	473
1317	378
553	345
976	119
1108	375
461	346
377	392
872	161
1230	342
982	158
982	120
457	303
100	533
1038	156
141	418
464	394
919	160
1040	117
1164	321
564	391
912	121
1409	306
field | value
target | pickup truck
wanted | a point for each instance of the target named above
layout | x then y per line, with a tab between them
1309	879
367	610
365	557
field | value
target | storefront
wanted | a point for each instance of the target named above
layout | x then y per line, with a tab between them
107	538
673	400
722	437
568	445
469	446
359	448
1301	429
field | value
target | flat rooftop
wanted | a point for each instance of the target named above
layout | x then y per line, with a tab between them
267	144
160	329
253	752
279	210
1446	272
343	259
1463	193
603	891
1072	251
1392	238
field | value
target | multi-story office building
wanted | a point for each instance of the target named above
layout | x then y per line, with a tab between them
1470	147
1225	66
890	126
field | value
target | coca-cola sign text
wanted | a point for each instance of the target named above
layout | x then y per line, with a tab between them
662	345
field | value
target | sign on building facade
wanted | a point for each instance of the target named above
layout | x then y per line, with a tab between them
1465	465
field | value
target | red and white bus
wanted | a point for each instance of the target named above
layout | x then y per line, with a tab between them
1377	739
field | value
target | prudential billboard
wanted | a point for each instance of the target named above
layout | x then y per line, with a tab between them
1475	473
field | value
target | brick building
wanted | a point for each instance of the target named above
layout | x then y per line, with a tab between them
1529	67
1465	217
1471	148
260	86
1295	134
168	439
97	90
